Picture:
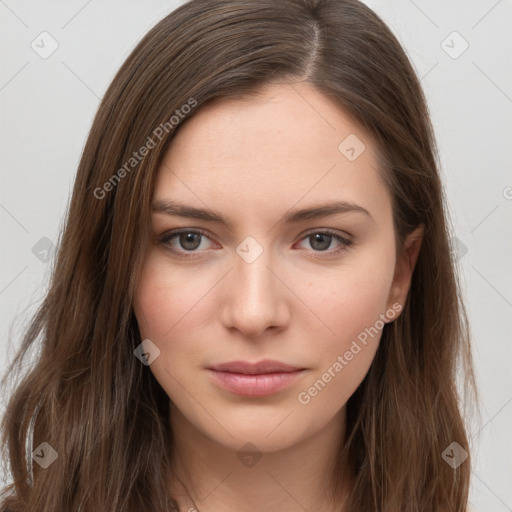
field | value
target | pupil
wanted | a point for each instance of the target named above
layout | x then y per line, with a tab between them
319	237
187	239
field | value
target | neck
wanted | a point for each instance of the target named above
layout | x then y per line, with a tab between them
207	476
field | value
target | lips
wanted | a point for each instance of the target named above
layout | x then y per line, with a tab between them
255	379
245	367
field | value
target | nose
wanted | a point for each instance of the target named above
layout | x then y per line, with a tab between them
255	297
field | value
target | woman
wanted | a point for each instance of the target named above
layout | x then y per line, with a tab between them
254	305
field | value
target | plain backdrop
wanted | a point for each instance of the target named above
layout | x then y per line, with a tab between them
462	52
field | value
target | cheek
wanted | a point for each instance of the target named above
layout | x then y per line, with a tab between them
352	305
350	298
165	306
344	354
166	298
172	307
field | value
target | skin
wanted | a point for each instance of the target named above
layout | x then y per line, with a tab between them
252	161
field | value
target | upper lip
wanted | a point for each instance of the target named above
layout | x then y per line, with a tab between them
265	366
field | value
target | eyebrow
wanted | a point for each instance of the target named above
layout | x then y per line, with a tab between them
178	209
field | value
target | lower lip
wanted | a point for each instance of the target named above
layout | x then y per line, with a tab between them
255	385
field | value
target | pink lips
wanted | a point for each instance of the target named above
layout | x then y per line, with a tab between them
254	379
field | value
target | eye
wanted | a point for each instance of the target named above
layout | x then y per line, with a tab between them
187	242
320	241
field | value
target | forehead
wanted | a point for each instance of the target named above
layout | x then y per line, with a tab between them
289	144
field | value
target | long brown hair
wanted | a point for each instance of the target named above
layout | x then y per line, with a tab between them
98	407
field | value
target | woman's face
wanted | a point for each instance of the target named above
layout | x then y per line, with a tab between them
270	283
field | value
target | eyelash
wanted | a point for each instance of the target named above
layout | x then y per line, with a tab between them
166	238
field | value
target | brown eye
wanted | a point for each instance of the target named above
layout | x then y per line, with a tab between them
189	241
320	241
182	242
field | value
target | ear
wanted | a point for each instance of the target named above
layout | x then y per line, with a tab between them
405	263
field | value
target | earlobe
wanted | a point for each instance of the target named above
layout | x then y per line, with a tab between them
405	265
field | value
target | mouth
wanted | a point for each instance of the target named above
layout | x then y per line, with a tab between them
255	379
261	367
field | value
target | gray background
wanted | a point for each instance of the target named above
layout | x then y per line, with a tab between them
47	106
